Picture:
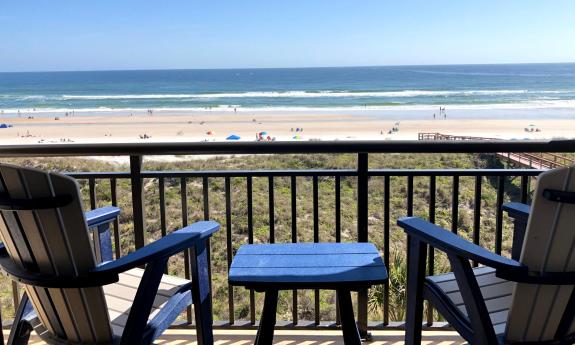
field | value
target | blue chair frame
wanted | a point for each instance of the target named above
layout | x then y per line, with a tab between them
154	256
477	329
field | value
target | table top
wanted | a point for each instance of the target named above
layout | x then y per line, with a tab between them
307	265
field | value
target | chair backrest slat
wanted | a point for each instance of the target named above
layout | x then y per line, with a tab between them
549	246
54	241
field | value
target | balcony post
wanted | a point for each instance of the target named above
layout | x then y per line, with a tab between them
137	199
362	235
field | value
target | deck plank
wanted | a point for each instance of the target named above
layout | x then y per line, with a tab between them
296	337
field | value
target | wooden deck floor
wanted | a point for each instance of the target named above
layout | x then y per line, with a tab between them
282	337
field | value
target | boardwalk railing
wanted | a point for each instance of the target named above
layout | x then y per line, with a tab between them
361	175
537	160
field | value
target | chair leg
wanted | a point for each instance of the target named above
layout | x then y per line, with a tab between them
348	326
268	320
143	302
21	328
415	278
201	294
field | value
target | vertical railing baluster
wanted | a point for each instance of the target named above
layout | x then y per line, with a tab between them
524	188
92	197
315	192
315	208
477	213
137	184
409	196
187	253
249	197
15	296
229	245
294	239
362	232
162	192
386	228
455	204
409	212
337	232
114	194
206	199
92	184
271	208
338	208
431	252
499	215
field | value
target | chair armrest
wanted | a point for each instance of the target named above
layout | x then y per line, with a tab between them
101	216
98	221
520	214
452	244
165	247
107	273
517	210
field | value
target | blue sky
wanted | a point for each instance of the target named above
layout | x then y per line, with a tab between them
48	35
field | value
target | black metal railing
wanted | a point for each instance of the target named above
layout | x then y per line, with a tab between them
361	176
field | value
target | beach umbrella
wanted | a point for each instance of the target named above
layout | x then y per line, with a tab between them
263	133
233	137
3	125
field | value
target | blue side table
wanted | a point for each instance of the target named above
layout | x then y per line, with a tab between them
343	267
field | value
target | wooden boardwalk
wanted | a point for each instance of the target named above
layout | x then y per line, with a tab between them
534	160
299	337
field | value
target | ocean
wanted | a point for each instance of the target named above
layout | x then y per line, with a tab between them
514	86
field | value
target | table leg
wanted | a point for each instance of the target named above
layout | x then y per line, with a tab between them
348	325
268	321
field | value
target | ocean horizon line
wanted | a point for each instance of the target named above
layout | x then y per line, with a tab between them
286	68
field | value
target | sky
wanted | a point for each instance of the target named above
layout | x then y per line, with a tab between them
56	35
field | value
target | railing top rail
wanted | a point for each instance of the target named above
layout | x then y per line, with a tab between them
205	148
309	172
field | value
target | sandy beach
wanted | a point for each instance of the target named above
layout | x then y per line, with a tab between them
282	127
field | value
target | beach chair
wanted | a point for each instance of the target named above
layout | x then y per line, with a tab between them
526	299
72	298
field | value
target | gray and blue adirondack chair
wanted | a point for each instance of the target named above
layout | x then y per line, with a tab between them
527	299
69	297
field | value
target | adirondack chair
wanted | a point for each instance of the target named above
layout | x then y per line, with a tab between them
526	299
71	298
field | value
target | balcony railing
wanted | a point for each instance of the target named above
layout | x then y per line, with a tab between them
500	179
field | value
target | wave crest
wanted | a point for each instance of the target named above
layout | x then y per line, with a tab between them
315	94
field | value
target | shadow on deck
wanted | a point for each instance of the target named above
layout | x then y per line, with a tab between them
299	337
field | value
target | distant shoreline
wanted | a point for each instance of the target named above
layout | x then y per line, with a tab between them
504	111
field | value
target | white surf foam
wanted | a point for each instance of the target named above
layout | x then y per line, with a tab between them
540	104
315	94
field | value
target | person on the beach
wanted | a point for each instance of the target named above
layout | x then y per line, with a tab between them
434	116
